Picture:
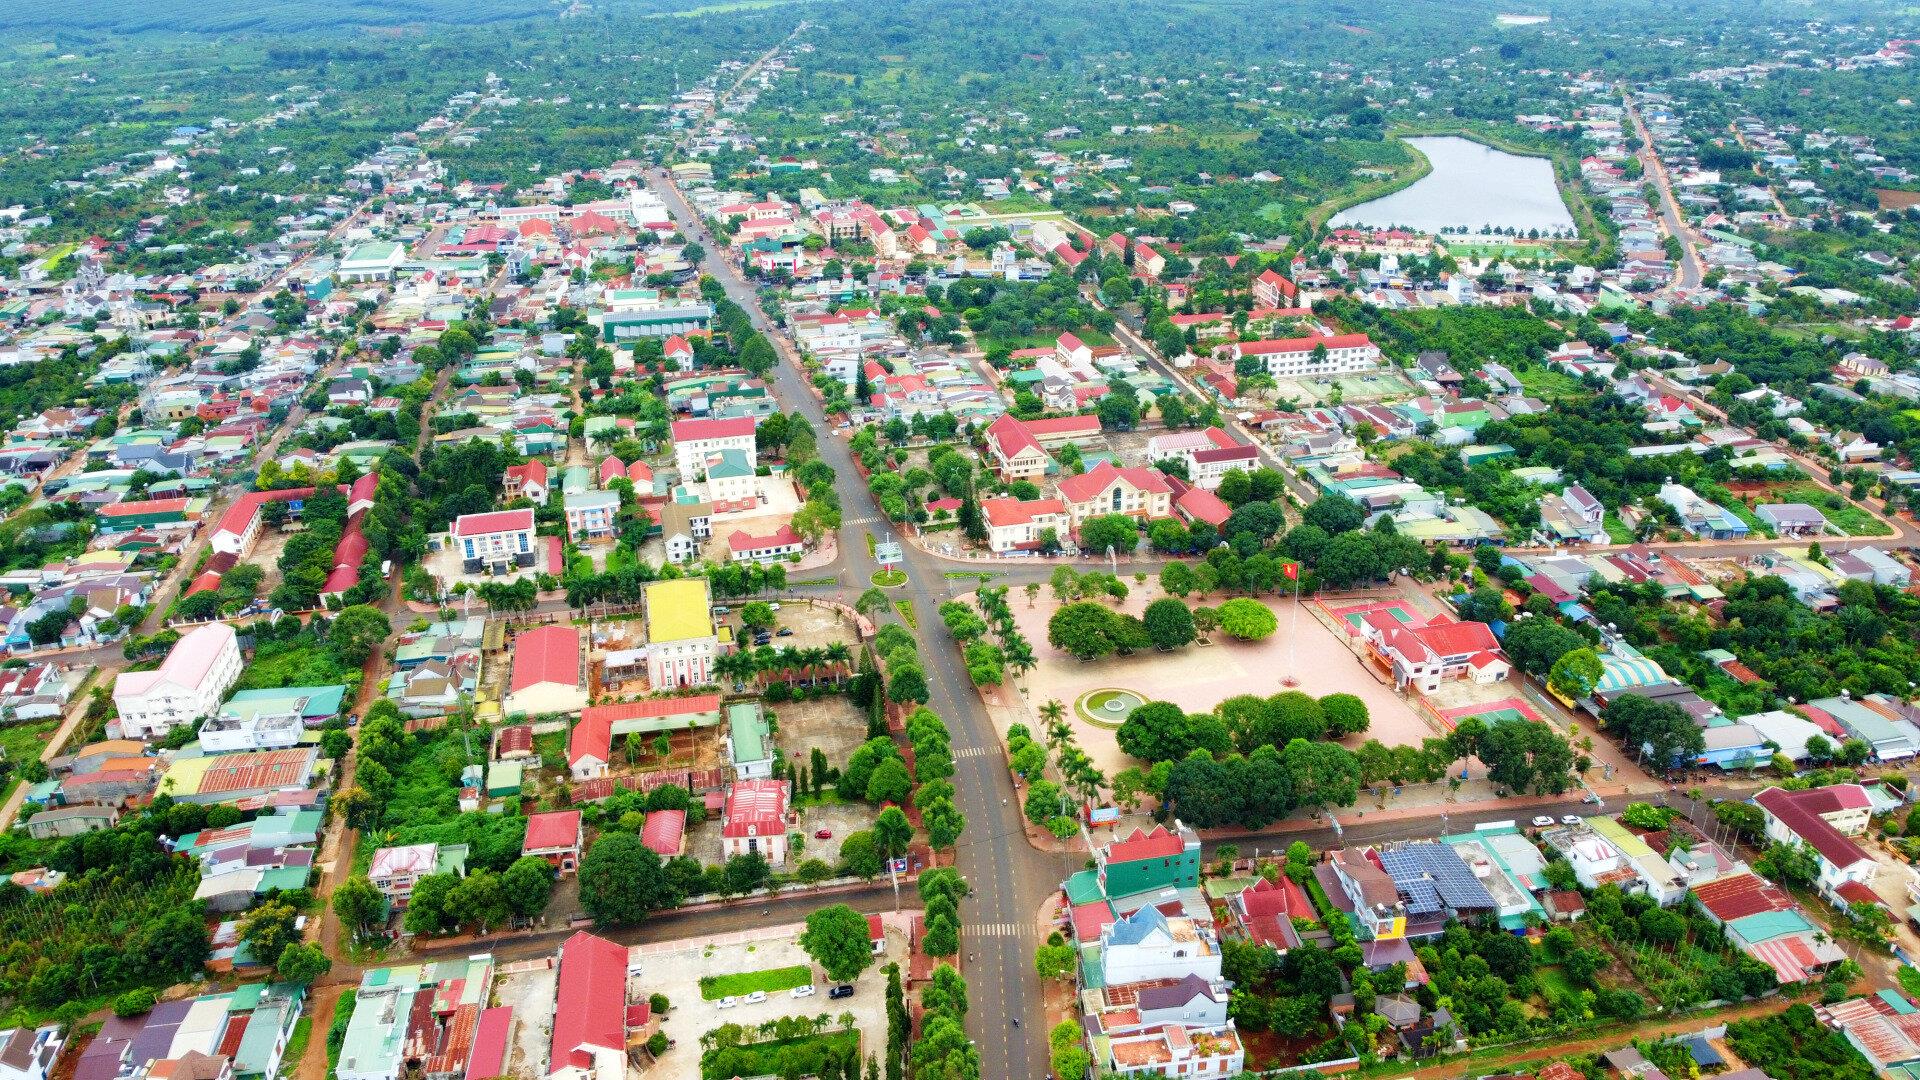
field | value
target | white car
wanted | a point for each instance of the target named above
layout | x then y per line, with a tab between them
1543	822
802	991
1570	819
756	997
726	1003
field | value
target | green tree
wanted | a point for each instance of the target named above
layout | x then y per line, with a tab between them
269	929
1247	620
357	631
1575	674
527	885
1169	623
622	880
892	832
303	964
357	903
836	938
1345	713
1115	531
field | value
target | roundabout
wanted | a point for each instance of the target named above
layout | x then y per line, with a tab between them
1108	707
889	579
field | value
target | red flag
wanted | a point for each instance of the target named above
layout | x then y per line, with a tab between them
1292	570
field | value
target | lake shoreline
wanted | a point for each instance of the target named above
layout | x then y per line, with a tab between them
1531	200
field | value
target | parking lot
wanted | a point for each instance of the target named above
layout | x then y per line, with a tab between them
675	968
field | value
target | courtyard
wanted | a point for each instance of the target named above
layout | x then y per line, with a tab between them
1198	677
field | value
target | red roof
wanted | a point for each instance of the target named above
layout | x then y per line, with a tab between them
593	735
533	472
784	536
489	1056
1800	812
547	654
207	581
1070	342
611	469
494	522
514	740
1740	895
677	346
756	808
557	829
1858	892
664	832
876	931
1270	277
1455	639
592	1001
239	517
1199	504
731	427
1079	489
1009	436
1301	344
1061	425
1019	511
1158	844
144	506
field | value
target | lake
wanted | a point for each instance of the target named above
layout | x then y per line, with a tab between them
1472	187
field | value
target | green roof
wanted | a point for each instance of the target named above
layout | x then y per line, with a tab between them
312	701
1084	888
503	777
1769	925
732	463
748	730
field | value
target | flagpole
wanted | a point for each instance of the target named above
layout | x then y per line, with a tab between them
1293	636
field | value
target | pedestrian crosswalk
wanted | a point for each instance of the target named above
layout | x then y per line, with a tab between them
1002	930
970	752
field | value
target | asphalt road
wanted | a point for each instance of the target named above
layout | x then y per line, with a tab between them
1010	879
1690	272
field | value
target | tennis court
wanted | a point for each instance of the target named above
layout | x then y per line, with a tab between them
1492	712
1355	614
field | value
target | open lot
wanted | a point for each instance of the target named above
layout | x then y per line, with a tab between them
1371	386
1199	677
703	840
675	969
833	724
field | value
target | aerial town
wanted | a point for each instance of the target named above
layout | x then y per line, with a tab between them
629	540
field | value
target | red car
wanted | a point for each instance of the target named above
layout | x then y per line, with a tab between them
823	834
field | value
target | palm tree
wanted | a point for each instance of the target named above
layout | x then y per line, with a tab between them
839	655
1019	655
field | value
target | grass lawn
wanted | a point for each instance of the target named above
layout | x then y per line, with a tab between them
24	742
1617	530
296	1045
905	608
774	980
1543	381
889	579
765	1058
1040	339
1848	517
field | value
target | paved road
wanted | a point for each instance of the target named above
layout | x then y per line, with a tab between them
1690	271
1010	879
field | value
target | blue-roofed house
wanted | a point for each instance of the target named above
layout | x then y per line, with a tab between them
1150	944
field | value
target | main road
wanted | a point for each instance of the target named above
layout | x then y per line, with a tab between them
1689	273
1011	880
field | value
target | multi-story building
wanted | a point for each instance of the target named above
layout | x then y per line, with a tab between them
681	639
590	514
495	541
185	689
396	870
1312	356
1022	524
1825	819
1138	493
694	440
755	820
1208	455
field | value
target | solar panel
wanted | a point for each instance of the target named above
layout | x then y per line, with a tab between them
1433	878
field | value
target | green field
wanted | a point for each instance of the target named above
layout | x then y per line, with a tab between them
24	742
1545	382
1847	517
740	983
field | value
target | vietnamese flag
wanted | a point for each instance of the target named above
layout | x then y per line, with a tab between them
1292	570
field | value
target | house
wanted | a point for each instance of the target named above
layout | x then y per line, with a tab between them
270	719
1174	1050
1425	656
528	481
428	1020
1316	355
590	744
1149	945
665	833
546	676
1207	455
749	742
754	820
682	640
71	821
1703	519
185	689
1271	289
1265	911
1022	524
497	541
1433	884
591	1019
556	836
35	692
694	441
1791	519
590	514
1149	861
783	544
1016	453
1139	493
1825	819
396	870
29	1053
1574	515
239	1034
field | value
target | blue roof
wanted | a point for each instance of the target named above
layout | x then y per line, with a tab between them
1134	929
1430	875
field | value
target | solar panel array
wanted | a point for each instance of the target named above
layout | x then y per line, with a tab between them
1434	878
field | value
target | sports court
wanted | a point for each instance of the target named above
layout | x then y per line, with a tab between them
1355	614
1491	712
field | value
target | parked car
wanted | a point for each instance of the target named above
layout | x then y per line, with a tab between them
785	631
823	834
726	1003
844	990
806	991
1542	821
1570	819
756	997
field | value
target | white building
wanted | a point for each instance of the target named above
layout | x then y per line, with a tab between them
1825	819
1209	455
694	440
1295	357
186	688
1149	945
1020	524
500	539
29	1053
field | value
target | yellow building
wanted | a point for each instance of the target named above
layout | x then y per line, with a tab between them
681	642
